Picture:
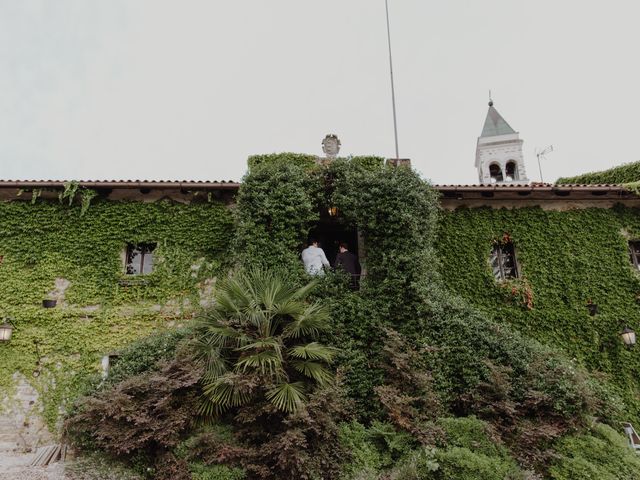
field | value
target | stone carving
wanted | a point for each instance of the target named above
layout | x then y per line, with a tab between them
331	145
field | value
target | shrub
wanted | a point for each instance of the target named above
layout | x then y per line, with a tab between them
463	464
364	455
600	454
144	415
472	433
269	444
260	341
215	472
145	354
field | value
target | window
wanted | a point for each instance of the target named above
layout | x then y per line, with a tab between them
511	170
503	261
139	259
634	253
495	172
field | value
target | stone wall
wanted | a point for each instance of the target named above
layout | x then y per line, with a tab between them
21	426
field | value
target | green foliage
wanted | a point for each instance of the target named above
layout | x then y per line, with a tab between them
215	472
145	354
277	204
368	449
419	465
298	159
471	433
569	258
96	466
599	454
627	173
411	350
396	213
57	349
260	339
465	464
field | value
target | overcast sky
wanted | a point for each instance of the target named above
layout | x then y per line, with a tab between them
151	89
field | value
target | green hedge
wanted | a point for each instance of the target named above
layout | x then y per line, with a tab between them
626	173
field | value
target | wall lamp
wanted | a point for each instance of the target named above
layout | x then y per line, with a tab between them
628	337
6	329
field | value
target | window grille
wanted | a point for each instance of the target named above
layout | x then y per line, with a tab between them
503	261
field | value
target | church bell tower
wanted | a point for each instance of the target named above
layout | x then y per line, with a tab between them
499	157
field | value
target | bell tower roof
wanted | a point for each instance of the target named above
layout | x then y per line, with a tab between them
499	156
494	124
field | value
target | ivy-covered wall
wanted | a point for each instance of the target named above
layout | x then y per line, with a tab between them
75	254
566	259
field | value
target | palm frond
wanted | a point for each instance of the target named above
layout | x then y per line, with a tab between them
313	370
311	322
266	362
302	292
269	343
287	397
223	335
225	392
290	306
313	351
214	367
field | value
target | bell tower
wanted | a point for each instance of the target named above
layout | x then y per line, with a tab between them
499	157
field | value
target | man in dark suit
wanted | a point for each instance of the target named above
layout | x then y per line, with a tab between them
349	263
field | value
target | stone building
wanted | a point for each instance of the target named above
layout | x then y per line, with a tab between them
146	255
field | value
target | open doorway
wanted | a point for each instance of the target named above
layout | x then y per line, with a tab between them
330	233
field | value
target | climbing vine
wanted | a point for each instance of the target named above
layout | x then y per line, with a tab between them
568	259
52	250
429	334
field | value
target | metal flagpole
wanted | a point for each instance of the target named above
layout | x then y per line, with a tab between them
393	93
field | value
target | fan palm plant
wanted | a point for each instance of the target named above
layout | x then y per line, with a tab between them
260	340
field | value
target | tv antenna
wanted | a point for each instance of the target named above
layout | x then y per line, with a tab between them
542	154
393	93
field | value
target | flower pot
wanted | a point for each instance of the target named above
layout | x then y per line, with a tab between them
49	303
593	308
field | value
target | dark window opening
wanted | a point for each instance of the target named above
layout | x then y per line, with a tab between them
139	260
634	253
495	172
503	261
511	171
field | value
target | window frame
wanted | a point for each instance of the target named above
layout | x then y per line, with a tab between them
146	249
634	256
498	251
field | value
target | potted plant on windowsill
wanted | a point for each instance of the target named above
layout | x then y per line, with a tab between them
49	302
592	307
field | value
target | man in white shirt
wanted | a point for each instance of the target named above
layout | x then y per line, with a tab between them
314	258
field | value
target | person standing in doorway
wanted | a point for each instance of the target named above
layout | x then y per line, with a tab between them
348	262
314	258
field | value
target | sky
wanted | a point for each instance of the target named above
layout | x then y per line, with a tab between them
158	89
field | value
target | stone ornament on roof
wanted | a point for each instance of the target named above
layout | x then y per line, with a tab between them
331	145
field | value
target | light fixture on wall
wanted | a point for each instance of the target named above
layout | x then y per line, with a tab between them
628	337
333	211
6	329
